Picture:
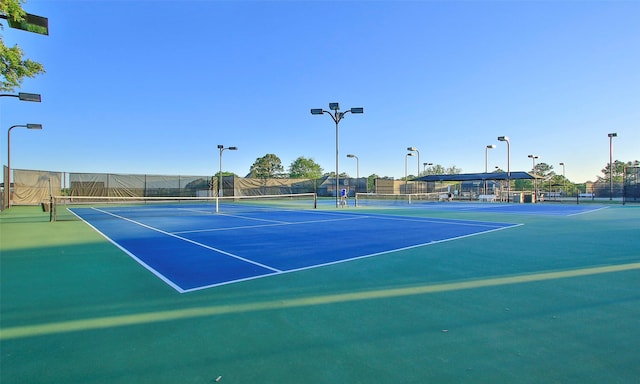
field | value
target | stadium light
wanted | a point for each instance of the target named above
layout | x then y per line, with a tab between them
611	136
405	170
535	181
351	156
506	138
221	148
564	179
336	116
486	163
8	179
30	23
24	96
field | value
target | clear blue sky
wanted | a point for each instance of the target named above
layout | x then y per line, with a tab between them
153	86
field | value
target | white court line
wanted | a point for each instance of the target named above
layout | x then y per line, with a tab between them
190	241
589	211
274	224
353	258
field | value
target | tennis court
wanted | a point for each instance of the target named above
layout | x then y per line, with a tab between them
438	293
200	248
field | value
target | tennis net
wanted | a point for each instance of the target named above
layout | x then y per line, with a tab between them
62	208
390	199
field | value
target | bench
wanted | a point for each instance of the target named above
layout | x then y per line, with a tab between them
592	195
487	197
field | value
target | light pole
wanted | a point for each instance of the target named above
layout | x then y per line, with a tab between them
414	149
506	138
424	167
611	136
23	96
405	170
486	163
336	115
7	186
564	179
221	148
351	156
535	178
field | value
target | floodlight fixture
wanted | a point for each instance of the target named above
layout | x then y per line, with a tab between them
336	116
24	96
506	138
35	97
7	201
533	169
233	148
611	136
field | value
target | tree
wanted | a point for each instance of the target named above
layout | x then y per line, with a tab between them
543	169
438	169
14	67
303	168
618	171
343	175
267	166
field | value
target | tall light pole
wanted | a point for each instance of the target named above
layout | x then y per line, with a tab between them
221	148
7	186
336	115
506	138
486	163
22	96
564	179
535	177
414	149
351	156
405	170
611	136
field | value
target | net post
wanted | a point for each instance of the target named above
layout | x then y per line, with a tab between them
315	200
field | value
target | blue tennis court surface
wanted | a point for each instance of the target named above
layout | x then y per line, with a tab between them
545	209
196	248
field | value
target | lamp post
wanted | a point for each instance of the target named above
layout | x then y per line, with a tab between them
221	148
535	178
564	179
405	170
414	149
336	115
506	138
611	136
486	163
351	156
23	96
8	185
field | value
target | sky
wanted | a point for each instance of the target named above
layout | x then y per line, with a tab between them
152	87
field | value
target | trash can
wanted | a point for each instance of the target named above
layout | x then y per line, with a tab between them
45	207
518	197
